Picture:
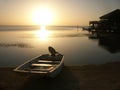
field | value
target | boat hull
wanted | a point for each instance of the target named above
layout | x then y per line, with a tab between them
44	65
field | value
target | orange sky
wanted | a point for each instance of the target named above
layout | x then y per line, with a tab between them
64	12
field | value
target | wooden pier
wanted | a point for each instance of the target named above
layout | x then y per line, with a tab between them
108	23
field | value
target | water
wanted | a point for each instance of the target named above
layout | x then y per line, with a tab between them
21	43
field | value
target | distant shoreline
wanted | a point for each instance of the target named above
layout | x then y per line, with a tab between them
37	27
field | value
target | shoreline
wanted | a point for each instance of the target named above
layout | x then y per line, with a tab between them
86	77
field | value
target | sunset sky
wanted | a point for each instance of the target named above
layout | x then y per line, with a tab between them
54	12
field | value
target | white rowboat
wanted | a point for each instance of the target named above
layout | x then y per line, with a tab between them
44	65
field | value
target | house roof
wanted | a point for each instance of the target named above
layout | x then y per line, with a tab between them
93	22
112	15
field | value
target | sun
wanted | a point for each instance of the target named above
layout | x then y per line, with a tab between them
43	16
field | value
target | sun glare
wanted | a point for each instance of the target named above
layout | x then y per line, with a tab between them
43	16
43	34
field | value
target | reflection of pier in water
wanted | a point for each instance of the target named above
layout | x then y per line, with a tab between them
111	44
108	41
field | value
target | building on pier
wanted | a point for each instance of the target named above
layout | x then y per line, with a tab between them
108	23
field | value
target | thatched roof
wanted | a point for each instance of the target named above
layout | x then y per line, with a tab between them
112	15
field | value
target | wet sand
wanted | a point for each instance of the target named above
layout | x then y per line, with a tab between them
87	77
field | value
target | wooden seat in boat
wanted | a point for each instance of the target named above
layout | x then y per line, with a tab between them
48	62
44	65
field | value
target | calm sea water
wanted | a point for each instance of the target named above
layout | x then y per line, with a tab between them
21	43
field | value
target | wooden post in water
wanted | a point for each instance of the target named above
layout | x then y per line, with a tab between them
77	28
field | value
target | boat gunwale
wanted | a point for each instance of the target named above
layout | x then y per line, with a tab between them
17	68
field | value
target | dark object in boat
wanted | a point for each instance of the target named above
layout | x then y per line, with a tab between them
52	51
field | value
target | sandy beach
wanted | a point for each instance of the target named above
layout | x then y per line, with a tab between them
87	77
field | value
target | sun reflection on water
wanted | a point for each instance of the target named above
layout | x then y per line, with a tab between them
43	33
